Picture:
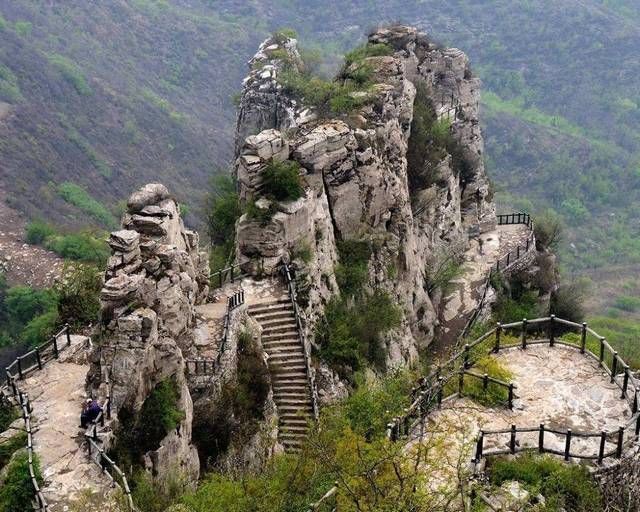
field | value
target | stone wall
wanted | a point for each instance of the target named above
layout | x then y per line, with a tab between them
154	278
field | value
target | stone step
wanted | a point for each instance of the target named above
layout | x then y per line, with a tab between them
270	307
279	323
281	366
304	429
291	419
266	318
295	409
298	389
286	395
286	352
282	345
291	387
289	336
279	329
301	402
290	377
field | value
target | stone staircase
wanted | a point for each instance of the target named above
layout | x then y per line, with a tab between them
281	341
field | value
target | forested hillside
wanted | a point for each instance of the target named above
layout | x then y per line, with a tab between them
112	94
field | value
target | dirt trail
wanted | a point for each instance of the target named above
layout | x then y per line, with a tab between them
23	263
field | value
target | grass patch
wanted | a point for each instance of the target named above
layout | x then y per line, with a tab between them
8	414
9	87
10	446
83	246
627	303
81	199
352	272
71	73
494	394
621	333
564	486
17	491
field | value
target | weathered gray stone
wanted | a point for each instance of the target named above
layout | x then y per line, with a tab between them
151	194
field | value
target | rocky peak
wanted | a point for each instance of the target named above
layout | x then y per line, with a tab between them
154	279
366	174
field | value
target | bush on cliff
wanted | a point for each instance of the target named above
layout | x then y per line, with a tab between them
548	230
281	180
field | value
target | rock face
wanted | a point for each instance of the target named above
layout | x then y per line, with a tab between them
358	184
154	279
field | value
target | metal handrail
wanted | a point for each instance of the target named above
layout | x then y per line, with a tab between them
291	287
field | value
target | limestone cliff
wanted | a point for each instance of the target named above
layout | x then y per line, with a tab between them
361	175
154	279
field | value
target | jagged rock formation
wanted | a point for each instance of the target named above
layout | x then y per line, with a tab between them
358	181
154	280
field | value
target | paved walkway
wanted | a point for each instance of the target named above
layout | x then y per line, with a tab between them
71	481
556	386
468	288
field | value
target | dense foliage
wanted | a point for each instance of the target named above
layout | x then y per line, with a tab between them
281	180
564	486
84	246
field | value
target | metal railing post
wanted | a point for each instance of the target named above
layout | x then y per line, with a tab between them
603	441
552	330
541	439
567	446
620	442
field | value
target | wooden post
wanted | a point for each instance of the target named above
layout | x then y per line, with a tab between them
496	349
466	357
603	440
552	330
527	246
511	396
638	428
620	442
39	359
518	252
634	408
55	348
625	383
20	375
567	446
541	439
479	447
512	440
231	270
524	334
508	258
461	382
485	381
440	391
583	338
614	367
406	421
68	332
601	359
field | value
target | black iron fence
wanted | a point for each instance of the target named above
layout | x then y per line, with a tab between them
201	367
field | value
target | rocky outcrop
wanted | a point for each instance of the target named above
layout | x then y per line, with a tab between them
357	178
154	279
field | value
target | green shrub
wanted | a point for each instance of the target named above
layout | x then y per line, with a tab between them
281	180
548	230
627	303
513	300
367	50
40	328
222	209
23	28
78	292
283	34
302	252
10	446
24	303
151	497
159	415
443	266
567	302
82	247
71	73
564	486
9	87
37	232
8	414
253	380
350	334
352	272
81	199
17	492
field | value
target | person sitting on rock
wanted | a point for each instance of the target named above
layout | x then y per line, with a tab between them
90	411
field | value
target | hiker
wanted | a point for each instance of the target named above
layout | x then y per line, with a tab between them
90	411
